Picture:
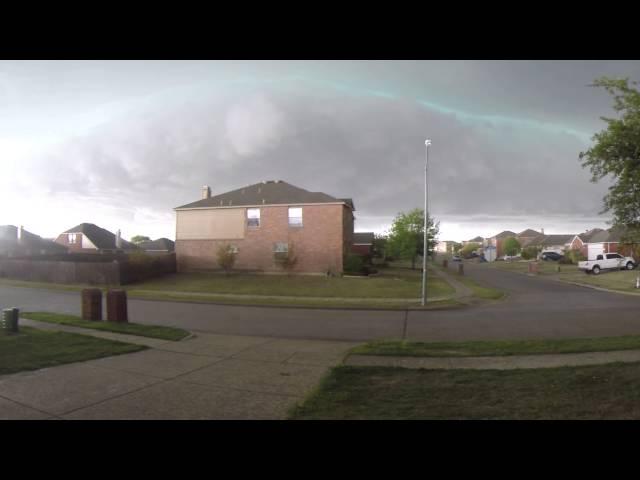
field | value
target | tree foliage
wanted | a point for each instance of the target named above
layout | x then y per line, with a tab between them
511	246
226	257
468	249
406	238
616	154
139	239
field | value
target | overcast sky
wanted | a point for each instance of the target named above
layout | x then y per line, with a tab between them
120	144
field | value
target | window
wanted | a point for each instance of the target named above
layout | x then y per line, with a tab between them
611	256
233	249
72	238
253	217
295	217
281	247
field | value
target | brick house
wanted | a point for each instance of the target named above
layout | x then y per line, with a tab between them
363	243
89	238
261	221
598	242
161	245
497	241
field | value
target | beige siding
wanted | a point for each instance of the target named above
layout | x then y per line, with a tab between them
219	224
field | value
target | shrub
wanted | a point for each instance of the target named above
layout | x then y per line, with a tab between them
287	260
466	251
226	257
511	246
354	264
572	257
529	253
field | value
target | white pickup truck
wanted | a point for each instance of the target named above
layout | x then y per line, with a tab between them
607	261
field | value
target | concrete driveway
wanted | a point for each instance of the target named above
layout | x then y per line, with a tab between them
206	377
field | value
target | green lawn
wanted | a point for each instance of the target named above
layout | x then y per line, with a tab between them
32	349
609	391
623	280
497	347
153	331
392	283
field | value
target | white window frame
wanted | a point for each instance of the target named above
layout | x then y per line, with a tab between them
295	219
72	238
253	214
281	247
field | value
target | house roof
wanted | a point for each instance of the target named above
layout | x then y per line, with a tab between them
589	234
477	239
614	234
29	241
159	244
505	234
272	192
100	237
557	239
363	238
529	233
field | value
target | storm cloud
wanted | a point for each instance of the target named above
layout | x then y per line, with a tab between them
506	138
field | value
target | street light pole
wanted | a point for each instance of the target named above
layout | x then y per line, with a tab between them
425	243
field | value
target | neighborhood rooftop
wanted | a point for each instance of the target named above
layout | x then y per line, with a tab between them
271	192
100	237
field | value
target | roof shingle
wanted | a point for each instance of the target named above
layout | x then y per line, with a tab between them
266	193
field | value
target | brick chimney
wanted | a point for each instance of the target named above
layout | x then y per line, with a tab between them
542	231
118	240
206	192
20	233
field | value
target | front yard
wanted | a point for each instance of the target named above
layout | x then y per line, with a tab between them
391	283
32	349
610	391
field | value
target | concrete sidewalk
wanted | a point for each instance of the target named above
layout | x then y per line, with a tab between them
509	362
204	377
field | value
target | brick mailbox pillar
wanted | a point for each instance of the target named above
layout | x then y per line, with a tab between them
445	263
460	269
533	268
10	319
117	306
92	304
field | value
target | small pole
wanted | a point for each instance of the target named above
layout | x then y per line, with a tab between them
425	245
638	282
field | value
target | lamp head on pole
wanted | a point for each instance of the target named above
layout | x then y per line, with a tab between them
427	142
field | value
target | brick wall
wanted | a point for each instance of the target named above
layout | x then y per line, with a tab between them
63	239
319	245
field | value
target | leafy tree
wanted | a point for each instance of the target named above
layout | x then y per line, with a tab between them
226	257
616	155
379	246
457	247
511	246
139	239
530	252
468	248
406	238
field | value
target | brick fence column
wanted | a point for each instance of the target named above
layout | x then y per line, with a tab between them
117	306
92	304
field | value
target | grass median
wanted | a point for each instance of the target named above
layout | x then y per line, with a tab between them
32	349
609	391
152	331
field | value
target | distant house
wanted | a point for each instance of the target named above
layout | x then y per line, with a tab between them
497	241
89	238
161	245
479	240
444	246
529	237
363	243
265	223
598	242
18	242
560	242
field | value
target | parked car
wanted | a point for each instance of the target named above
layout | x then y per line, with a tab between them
607	261
511	257
555	256
456	258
